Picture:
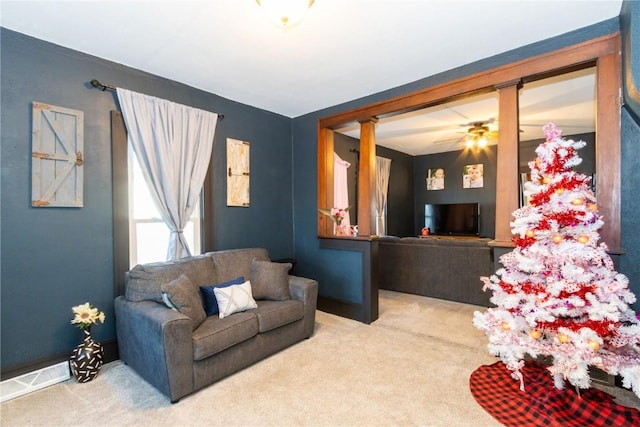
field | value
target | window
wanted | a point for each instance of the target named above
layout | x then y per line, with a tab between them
148	233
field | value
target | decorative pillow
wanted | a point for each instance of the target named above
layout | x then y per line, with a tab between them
234	299
232	263
209	297
184	296
270	280
144	281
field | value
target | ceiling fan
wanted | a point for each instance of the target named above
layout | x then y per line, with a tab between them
478	134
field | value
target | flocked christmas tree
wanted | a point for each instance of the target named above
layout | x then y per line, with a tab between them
558	293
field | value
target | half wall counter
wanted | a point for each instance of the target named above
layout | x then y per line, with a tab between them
440	267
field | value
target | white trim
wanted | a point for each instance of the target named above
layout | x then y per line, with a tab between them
32	381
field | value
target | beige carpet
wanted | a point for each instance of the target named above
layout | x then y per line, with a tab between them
410	367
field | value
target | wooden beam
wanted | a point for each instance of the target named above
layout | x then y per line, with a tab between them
367	178
580	53
507	182
608	149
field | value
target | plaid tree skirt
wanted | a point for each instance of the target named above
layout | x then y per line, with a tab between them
541	404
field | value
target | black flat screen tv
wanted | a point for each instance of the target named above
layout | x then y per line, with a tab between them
452	219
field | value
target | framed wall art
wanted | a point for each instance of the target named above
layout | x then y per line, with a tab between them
238	172
57	145
473	176
435	179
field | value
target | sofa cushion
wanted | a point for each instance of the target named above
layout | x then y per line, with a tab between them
144	281
209	297
273	314
232	263
215	334
270	280
234	299
185	297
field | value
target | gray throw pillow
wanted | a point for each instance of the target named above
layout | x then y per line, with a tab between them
145	280
232	263
270	280
185	297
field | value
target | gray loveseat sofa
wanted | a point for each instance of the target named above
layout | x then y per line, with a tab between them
179	353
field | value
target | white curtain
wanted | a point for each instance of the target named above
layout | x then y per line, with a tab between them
173	145
383	169
340	188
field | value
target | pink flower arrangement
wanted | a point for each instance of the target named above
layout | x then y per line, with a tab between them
336	214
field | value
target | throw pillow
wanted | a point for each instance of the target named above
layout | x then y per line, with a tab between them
144	281
234	299
270	280
209	297
185	298
232	263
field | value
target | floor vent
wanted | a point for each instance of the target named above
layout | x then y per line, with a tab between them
33	381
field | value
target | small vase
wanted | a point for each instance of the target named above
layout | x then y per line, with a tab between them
86	359
340	230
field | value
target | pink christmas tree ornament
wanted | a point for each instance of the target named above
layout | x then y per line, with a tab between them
558	293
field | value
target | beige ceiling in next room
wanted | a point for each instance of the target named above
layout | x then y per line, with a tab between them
568	100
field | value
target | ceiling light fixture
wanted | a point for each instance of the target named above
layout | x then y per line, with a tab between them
476	137
285	13
477	141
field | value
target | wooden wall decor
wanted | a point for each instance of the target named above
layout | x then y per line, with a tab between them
57	152
237	173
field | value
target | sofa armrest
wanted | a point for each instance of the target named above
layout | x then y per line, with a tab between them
156	342
305	290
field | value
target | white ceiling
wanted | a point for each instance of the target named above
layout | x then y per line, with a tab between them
342	50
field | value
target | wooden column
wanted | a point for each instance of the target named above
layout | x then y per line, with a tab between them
325	180
608	149
507	184
367	177
120	170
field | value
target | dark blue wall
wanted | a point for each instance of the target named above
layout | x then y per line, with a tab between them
400	196
630	173
54	258
453	164
630	202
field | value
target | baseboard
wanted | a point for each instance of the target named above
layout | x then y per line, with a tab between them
35	380
341	308
110	354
